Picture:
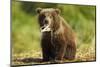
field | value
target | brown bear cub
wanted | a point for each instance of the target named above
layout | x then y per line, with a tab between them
58	39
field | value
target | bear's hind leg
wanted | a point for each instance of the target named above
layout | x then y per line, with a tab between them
70	52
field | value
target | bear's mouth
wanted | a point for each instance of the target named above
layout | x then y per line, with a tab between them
45	29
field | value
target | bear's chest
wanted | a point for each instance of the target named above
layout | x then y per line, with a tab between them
46	35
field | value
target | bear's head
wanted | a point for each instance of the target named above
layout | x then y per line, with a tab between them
48	18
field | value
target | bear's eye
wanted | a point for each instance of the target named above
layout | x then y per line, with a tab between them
50	16
42	16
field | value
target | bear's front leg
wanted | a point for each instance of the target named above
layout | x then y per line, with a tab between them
60	52
45	44
45	51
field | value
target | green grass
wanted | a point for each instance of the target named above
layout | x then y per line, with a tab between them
28	57
26	33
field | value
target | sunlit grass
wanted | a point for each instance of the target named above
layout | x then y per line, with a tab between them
26	33
85	52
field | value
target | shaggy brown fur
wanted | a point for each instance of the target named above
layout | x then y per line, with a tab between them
58	39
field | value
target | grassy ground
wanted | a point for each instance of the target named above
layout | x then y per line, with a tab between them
26	35
35	56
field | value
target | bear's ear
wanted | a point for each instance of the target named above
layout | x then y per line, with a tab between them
57	11
38	10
